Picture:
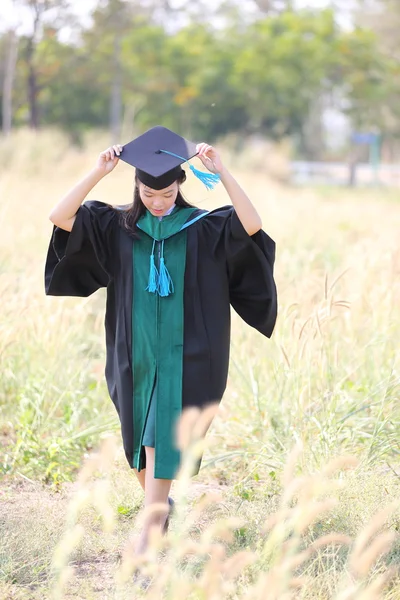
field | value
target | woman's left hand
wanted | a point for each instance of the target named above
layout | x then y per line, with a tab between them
210	158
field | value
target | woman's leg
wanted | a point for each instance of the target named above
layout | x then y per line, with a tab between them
141	475
148	435
156	490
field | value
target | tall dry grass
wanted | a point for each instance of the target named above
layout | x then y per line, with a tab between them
291	558
327	380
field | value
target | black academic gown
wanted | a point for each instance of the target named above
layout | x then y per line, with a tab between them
224	266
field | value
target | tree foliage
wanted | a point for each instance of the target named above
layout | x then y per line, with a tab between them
204	78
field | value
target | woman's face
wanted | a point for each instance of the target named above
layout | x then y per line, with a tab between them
158	202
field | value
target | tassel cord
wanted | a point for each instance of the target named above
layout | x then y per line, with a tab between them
152	286
165	283
210	180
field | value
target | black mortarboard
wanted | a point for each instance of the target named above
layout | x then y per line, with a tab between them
158	155
154	168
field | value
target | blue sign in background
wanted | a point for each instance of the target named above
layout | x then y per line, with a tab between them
364	138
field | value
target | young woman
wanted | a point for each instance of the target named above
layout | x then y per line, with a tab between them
172	271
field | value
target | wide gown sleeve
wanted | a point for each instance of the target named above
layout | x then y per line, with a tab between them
79	262
250	267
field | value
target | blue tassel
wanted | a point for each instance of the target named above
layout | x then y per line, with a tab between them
210	180
165	285
153	274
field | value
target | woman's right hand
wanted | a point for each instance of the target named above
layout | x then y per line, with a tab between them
109	159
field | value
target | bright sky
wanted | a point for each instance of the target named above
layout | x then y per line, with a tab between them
11	16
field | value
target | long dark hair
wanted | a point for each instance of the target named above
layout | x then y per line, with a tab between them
130	215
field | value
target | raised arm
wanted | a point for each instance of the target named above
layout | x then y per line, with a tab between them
244	208
63	214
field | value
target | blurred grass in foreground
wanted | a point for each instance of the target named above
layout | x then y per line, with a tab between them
317	538
329	377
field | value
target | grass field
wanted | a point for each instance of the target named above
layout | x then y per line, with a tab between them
269	515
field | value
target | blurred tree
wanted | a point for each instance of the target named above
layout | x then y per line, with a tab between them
47	17
283	63
73	98
125	50
112	21
242	72
267	6
10	51
376	98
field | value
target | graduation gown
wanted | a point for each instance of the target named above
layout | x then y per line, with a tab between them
223	267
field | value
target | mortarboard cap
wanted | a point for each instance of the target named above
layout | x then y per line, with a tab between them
158	155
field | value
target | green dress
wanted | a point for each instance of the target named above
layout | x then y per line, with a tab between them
149	435
157	333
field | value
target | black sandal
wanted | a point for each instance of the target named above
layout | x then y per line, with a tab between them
143	581
170	513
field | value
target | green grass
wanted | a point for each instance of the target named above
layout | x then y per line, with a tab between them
329	379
